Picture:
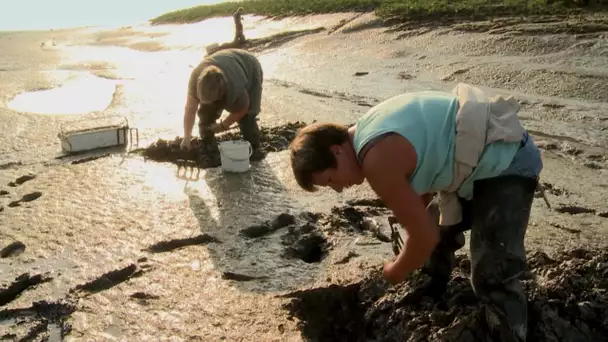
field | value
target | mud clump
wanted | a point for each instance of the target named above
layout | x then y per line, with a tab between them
240	277
169	245
358	218
12	249
367	202
273	139
281	221
574	210
26	198
143	296
88	159
22	180
19	285
567	301
347	258
108	280
307	235
42	316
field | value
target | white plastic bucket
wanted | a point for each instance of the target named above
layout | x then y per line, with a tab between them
234	155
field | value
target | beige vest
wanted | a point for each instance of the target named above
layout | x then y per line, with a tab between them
479	121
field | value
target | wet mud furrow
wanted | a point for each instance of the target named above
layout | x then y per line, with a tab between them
352	98
538	25
567	301
548	82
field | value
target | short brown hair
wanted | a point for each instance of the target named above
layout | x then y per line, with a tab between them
211	84
310	151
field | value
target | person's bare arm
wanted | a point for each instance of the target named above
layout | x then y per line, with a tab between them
189	115
387	166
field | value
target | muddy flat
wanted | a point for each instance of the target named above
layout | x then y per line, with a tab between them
153	243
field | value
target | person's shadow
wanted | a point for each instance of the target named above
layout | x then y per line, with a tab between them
224	204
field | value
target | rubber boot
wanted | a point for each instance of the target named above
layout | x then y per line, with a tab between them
208	115
251	131
443	260
501	210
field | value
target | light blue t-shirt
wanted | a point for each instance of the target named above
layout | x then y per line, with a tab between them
428	121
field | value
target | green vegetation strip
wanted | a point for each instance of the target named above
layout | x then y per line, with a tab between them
387	9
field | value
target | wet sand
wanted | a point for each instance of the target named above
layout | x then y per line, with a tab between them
119	245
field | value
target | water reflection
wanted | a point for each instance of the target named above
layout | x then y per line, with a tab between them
84	94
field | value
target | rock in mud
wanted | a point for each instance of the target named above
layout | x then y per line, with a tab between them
20	284
12	249
3	192
567	302
22	180
273	139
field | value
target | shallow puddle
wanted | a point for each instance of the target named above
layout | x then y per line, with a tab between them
82	95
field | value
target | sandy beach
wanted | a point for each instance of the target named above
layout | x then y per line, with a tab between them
124	247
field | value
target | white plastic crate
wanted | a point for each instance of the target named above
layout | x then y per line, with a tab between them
91	134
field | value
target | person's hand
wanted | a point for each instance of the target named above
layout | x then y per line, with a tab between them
217	128
185	145
392	274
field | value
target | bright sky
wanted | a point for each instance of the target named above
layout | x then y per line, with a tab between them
47	14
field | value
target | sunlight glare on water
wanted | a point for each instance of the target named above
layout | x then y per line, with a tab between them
84	94
158	178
